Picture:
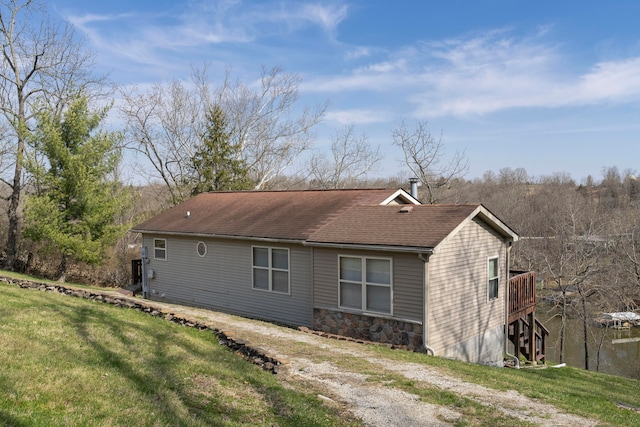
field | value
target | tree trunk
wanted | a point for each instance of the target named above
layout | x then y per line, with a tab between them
62	269
585	330
13	211
563	324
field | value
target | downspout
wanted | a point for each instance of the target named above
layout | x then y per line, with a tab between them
506	311
424	257
145	277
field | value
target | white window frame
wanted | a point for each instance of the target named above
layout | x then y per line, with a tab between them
495	278
363	284
270	269
157	248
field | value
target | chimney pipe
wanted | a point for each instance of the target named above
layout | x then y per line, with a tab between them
413	187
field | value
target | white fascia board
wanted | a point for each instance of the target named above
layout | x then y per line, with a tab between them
403	195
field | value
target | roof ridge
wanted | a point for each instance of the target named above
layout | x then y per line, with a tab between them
300	190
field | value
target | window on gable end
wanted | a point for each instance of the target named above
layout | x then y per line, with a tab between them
160	249
493	278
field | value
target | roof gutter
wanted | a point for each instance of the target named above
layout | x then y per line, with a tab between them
385	248
218	236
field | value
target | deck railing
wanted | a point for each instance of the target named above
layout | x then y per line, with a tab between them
522	295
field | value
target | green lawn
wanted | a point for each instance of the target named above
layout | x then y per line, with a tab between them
590	394
69	361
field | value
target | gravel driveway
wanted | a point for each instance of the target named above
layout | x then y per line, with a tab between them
374	402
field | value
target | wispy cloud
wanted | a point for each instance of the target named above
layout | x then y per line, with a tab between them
200	24
488	72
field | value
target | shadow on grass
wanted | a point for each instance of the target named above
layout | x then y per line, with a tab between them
159	378
161	365
8	420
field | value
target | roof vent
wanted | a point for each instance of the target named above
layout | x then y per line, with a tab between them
188	214
406	209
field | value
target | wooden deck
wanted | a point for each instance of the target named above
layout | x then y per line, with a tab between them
527	334
522	294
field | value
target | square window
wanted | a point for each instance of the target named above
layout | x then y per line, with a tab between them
379	298
351	269
351	295
280	259
261	279
378	271
261	257
160	249
271	269
370	291
280	281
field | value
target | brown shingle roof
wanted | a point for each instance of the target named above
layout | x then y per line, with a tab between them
291	215
422	226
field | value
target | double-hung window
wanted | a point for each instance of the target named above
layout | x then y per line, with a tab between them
365	284
493	278
271	269
160	249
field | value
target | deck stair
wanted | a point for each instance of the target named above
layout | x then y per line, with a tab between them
527	334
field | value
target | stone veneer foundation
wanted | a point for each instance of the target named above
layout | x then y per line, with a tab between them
388	331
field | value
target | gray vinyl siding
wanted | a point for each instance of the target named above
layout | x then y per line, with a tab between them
458	305
223	279
407	281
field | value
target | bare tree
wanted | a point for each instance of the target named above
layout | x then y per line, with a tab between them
166	125
352	158
570	254
424	156
264	122
41	63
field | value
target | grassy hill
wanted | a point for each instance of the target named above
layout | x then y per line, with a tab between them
71	361
74	362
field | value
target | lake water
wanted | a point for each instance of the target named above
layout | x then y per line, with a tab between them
615	358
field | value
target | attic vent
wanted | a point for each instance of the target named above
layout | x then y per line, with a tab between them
406	209
202	249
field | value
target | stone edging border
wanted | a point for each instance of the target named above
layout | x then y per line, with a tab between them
255	355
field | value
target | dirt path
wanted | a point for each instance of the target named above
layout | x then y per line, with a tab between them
374	402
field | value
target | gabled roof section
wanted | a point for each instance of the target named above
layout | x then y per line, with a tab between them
278	215
421	227
417	228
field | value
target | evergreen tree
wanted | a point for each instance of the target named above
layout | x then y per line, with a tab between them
217	162
78	200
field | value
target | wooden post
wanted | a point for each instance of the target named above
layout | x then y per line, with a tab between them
532	337
516	334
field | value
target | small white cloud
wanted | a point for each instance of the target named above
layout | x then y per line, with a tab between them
609	81
328	17
357	116
358	52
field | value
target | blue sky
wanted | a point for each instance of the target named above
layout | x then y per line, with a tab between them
549	86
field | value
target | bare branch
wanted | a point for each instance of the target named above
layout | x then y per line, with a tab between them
424	156
352	158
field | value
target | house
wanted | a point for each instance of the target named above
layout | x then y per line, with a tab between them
372	264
